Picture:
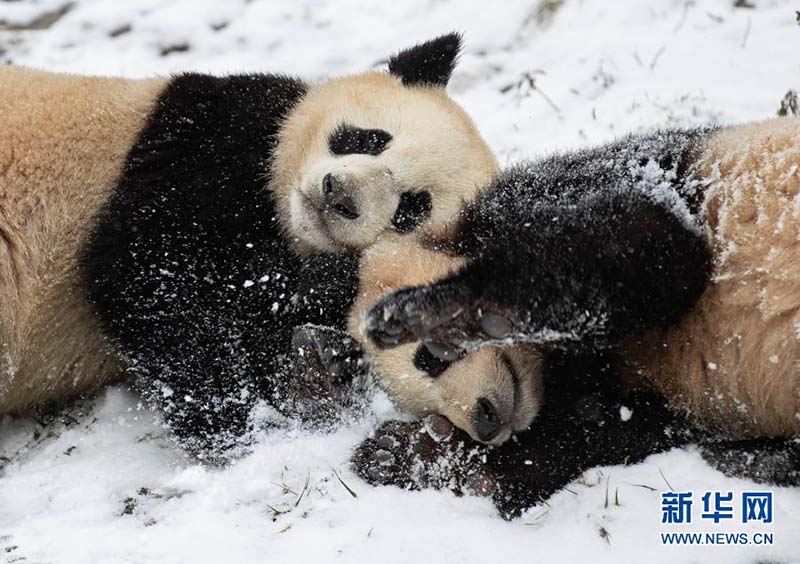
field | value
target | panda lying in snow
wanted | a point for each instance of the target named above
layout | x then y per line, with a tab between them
181	228
631	298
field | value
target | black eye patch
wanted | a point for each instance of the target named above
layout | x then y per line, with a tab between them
350	140
425	361
412	211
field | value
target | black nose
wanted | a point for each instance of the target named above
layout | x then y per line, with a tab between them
337	198
487	421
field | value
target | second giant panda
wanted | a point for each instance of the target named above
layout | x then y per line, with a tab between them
179	229
672	255
567	413
675	250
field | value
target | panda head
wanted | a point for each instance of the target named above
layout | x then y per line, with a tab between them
379	153
490	394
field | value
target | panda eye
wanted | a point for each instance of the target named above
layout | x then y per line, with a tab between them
425	361
350	140
412	211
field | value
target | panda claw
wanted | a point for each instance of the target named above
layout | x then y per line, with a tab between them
438	427
329	378
400	318
387	442
376	476
393	329
446	317
386	341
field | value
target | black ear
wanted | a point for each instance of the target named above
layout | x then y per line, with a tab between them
430	63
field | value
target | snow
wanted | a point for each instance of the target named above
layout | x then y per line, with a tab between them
110	488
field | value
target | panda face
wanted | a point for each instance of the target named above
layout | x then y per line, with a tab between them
365	156
490	394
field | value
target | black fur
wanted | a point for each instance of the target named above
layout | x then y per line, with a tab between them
431	365
187	266
412	211
576	251
771	460
427	64
349	140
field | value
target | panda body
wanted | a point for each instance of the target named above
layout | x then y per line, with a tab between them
53	183
178	230
676	254
719	248
733	359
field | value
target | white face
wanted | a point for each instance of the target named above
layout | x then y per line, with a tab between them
347	198
365	156
490	394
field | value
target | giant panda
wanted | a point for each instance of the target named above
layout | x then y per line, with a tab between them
669	258
566	413
675	250
178	229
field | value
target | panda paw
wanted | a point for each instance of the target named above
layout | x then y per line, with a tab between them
428	454
335	357
446	317
329	374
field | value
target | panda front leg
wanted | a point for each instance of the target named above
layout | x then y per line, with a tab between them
328	375
579	276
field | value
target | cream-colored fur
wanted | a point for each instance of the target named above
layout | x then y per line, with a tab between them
735	359
63	141
435	146
394	264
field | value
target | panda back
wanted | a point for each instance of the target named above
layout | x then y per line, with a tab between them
733	359
63	143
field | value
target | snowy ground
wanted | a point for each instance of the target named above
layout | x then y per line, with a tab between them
109	488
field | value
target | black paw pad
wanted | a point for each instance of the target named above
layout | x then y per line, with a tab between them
427	454
495	325
438	428
329	377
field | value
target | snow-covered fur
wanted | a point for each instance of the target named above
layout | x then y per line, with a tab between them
733	358
184	226
674	250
